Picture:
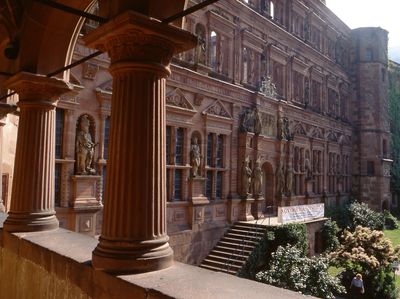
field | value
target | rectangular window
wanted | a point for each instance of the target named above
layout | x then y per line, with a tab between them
370	168
59	131
179	146
57	185
106	136
209	149
220	151
218	187
178	184
209	185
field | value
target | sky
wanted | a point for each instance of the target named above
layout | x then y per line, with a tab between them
372	13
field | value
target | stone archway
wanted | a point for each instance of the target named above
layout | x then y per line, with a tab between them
268	185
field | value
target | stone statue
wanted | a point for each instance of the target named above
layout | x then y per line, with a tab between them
246	177
289	180
251	121
84	148
257	122
201	45
257	180
280	179
267	87
195	157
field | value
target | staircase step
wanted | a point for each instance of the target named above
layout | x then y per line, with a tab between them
224	260
244	232
239	240
230	250
235	245
231	255
222	265
243	237
218	269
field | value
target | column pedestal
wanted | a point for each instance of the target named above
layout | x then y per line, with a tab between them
134	236
32	201
258	207
245	210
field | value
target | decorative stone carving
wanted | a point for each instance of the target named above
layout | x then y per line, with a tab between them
245	177
201	44
251	121
267	87
89	70
307	166
267	124
177	98
257	180
284	129
217	109
84	147
195	157
280	179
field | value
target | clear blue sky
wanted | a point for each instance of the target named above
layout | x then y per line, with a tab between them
372	13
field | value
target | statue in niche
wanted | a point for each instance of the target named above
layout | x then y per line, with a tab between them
267	87
289	180
306	93
257	180
201	45
195	157
283	129
251	121
84	148
246	177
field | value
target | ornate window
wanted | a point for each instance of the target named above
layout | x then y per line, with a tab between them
213	51
317	171
298	171
298	87
215	168
176	162
316	91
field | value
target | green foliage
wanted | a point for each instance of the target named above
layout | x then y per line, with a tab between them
370	253
289	234
390	220
361	215
354	213
394	113
329	233
290	269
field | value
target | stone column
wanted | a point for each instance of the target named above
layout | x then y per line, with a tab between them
2	207
134	237
32	201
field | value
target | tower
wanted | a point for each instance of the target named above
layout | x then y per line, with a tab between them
372	161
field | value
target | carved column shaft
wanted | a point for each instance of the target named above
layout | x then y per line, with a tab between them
32	201
2	207
134	237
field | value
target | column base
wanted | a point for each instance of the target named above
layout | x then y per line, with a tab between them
32	222
119	257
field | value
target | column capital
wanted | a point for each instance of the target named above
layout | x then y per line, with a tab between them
34	87
134	37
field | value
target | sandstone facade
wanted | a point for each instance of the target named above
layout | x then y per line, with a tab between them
282	84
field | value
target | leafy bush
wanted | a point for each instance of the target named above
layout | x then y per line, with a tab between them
289	269
390	220
368	252
360	214
294	234
329	233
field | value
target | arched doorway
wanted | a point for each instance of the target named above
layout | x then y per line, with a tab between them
268	186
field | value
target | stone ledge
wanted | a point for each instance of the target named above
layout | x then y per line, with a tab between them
62	259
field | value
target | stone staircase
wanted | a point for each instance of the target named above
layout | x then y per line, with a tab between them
232	251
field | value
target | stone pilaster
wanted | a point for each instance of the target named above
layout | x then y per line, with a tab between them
32	201
2	207
134	237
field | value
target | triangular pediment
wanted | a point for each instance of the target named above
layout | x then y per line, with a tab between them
177	98
317	133
217	109
331	136
105	86
299	129
344	140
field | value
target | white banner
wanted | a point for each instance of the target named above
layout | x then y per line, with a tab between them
300	213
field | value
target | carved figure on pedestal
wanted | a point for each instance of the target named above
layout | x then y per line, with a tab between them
84	148
280	179
267	87
195	157
257	122
201	44
257	180
245	177
289	180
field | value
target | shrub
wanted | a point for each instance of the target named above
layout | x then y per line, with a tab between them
289	269
294	234
360	214
329	233
368	252
390	220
